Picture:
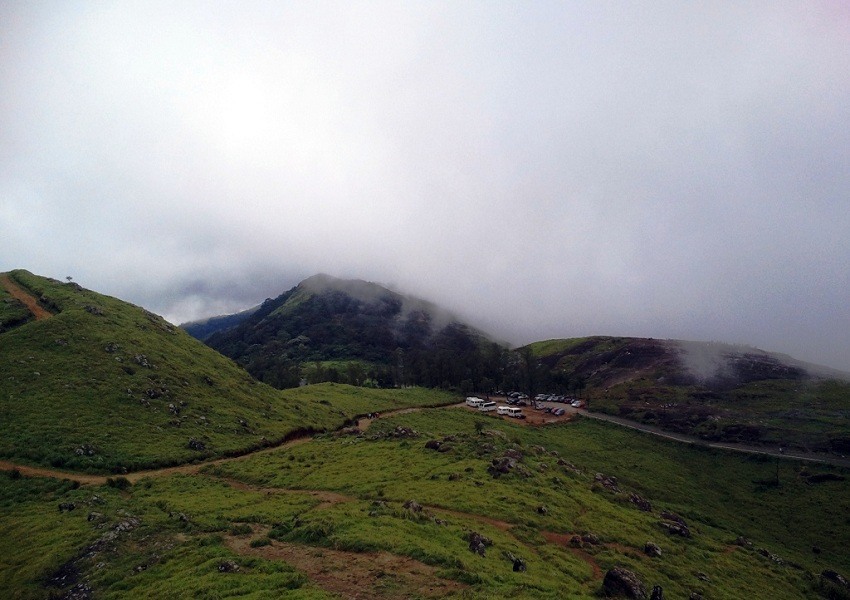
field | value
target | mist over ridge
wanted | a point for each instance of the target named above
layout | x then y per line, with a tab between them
563	170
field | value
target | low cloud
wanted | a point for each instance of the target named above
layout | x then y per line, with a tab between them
560	170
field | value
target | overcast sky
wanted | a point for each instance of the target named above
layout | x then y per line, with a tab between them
546	169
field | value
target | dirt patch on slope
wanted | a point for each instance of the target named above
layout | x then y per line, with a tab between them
354	575
563	539
28	299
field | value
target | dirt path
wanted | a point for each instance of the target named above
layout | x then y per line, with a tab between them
18	293
352	575
187	469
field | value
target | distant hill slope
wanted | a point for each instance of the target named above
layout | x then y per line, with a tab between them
204	328
717	391
366	332
105	385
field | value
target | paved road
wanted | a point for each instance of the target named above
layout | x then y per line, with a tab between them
829	459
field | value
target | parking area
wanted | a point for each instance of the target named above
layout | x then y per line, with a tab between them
534	412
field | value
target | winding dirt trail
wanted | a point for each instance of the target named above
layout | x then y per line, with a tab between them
187	469
19	293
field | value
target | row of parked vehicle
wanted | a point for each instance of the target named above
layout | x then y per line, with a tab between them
489	406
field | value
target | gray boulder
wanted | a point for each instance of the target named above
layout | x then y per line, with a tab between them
622	582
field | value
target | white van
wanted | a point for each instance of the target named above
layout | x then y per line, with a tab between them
513	411
503	410
487	407
474	402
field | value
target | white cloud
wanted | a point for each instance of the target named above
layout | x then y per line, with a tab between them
549	170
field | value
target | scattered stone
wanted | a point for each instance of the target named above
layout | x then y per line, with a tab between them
575	541
85	450
568	466
652	549
440	522
770	555
402	432
836	578
228	566
675	528
413	506
622	582
671	516
196	445
608	482
513	453
142	361
743	542
478	543
208	380
701	576
112	347
80	591
657	593
538	450
67	506
542	510
501	466
518	563
486	448
590	538
695	596
455	476
641	502
95	516
61	342
433	444
94	310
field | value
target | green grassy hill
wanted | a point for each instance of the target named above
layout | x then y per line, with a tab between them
374	334
382	515
106	386
715	391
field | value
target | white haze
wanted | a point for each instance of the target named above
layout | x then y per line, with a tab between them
549	169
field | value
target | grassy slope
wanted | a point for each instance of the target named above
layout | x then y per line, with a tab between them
76	393
184	519
636	378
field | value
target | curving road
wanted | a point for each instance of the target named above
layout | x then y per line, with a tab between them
838	461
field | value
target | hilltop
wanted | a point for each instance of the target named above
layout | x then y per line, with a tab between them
711	390
358	332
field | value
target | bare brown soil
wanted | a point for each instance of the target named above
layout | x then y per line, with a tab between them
353	575
563	539
28	299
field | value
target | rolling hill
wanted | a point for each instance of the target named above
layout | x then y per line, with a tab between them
102	385
719	392
356	332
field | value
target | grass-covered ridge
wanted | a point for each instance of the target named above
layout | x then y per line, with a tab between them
104	385
716	391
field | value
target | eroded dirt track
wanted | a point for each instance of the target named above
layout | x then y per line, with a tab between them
352	575
18	293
